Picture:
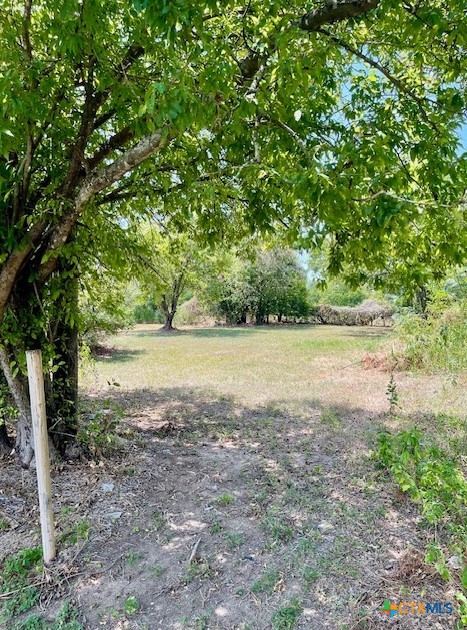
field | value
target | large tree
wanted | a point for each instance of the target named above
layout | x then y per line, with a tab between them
339	120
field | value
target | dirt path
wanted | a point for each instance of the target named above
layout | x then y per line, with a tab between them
297	527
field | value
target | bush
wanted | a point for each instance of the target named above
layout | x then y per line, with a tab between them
192	312
438	484
337	293
147	313
434	343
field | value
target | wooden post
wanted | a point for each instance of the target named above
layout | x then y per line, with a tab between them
41	449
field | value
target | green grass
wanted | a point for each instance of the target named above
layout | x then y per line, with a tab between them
286	417
286	617
266	583
224	500
232	361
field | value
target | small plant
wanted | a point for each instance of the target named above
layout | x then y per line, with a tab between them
67	618
157	570
216	528
80	531
132	558
98	430
310	576
432	479
131	605
198	570
266	583
279	530
328	416
4	524
32	622
16	578
158	521
234	540
225	500
392	394
286	618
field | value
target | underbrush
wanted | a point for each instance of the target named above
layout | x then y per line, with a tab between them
433	343
437	483
20	584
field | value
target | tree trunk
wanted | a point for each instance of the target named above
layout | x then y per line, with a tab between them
24	441
421	300
169	314
6	444
168	324
62	399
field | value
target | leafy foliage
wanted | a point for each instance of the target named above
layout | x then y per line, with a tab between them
435	342
438	484
15	580
335	124
273	283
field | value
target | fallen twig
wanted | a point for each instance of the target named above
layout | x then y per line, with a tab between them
194	551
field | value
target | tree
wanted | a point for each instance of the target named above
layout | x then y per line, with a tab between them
338	120
277	286
273	283
169	268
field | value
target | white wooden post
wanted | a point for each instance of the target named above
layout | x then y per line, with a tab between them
41	450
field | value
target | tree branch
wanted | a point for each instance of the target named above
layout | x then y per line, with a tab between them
335	11
95	183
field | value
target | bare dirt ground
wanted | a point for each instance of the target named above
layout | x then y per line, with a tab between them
238	512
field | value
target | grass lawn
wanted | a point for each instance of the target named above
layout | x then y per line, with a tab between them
243	494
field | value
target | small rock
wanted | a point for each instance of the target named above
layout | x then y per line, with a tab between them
107	487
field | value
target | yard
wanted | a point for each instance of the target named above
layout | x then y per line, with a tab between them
242	492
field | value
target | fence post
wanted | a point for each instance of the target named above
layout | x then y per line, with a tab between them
41	450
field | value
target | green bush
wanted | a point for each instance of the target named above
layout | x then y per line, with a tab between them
436	342
438	484
147	313
16	583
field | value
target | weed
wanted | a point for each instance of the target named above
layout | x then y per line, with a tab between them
157	570
32	622
436	483
216	528
328	416
266	583
310	576
4	525
392	395
67	618
132	558
225	500
16	579
131	605
79	532
98	430
234	540
198	570
279	530
286	618
158	521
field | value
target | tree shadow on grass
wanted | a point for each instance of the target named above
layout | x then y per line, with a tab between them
117	355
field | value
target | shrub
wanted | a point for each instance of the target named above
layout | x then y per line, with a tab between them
436	342
437	483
